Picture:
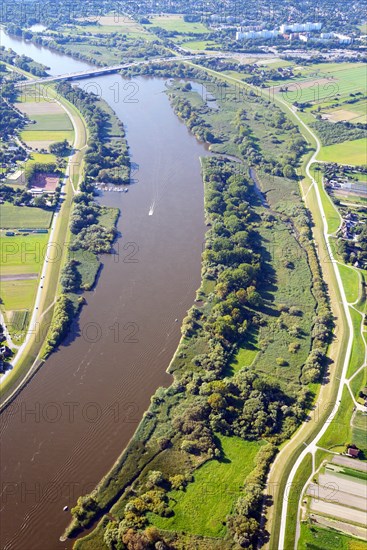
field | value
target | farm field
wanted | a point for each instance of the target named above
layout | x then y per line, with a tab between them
46	135
316	538
177	23
24	217
336	499
23	254
119	23
348	112
322	82
347	152
17	295
203	507
199	45
53	122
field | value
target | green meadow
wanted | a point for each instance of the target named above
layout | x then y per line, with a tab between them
203	507
24	217
23	253
347	152
18	295
177	23
53	122
47	135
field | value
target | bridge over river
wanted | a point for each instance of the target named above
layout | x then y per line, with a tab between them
98	71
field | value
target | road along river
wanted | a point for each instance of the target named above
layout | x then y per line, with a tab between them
69	424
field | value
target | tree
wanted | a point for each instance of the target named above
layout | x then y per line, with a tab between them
289	171
60	148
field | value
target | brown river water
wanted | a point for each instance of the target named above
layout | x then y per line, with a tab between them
70	423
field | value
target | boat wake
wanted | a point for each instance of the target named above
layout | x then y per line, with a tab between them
151	209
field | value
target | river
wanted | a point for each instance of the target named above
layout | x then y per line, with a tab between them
70	423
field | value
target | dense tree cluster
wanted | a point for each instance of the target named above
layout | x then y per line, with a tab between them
23	62
337	132
106	160
62	318
60	148
194	121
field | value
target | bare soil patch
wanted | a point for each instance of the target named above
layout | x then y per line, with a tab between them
338	511
350	463
39	108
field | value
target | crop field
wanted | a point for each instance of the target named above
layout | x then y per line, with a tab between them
52	122
317	538
47	135
337	501
177	23
323	81
24	217
356	112
119	23
347	152
203	507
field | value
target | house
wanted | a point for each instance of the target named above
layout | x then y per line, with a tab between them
353	452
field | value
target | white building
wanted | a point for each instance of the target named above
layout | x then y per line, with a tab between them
257	35
300	27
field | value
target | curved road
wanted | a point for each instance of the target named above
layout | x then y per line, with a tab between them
312	447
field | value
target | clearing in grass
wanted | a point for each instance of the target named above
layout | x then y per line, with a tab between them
202	509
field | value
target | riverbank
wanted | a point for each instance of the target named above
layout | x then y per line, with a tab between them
28	356
282	467
189	365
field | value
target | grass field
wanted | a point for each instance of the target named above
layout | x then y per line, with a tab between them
47	135
23	253
294	494
323	81
120	23
347	152
176	23
351	282
199	45
24	217
339	431
54	122
247	353
357	357
316	538
203	507
18	294
359	431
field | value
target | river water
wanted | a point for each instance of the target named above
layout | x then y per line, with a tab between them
70	423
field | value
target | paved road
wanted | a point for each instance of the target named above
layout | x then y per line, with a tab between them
46	265
312	447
